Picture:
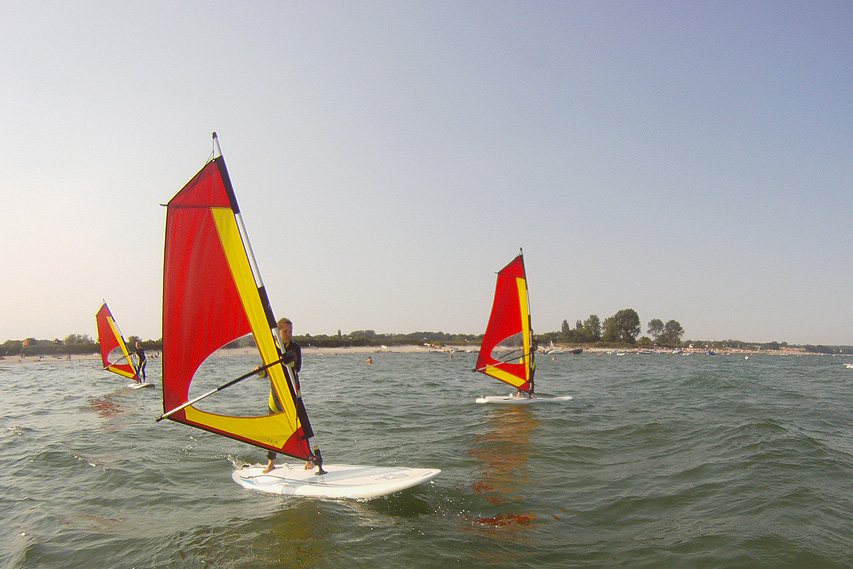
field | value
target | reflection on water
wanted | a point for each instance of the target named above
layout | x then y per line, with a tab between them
99	523
294	537
105	407
502	455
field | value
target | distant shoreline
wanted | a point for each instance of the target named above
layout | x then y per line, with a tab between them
412	349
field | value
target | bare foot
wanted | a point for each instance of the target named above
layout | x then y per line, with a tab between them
269	467
308	466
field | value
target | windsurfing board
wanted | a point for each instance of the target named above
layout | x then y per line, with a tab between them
140	385
340	481
515	400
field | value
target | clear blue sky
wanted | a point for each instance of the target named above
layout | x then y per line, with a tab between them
691	161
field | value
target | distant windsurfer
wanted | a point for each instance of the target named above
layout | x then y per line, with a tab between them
140	353
292	357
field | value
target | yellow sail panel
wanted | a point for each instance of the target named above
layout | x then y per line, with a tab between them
507	377
126	367
527	357
238	262
268	430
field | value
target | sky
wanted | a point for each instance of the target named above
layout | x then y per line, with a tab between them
691	161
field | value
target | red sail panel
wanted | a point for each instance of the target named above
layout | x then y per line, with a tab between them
210	298
505	352
114	353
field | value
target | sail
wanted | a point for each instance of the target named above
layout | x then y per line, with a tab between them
212	296
114	353
506	350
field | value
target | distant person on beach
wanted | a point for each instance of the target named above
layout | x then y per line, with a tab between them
140	353
292	356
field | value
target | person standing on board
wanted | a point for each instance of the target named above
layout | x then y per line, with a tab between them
292	356
140	373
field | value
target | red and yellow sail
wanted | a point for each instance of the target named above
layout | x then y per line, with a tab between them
114	352
211	296
506	350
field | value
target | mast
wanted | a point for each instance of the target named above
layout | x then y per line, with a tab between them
531	341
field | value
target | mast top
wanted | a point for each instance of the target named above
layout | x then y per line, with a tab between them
216	149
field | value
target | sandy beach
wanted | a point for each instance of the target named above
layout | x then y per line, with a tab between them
411	349
404	349
306	350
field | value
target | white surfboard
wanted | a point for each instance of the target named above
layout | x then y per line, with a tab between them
140	385
513	400
340	481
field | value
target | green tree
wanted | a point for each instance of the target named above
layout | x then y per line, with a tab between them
610	330
622	327
672	332
578	333
592	328
73	339
655	328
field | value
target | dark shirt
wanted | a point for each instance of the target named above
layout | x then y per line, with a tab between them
293	348
141	354
274	405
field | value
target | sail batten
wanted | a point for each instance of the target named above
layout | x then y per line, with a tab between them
114	353
506	353
213	295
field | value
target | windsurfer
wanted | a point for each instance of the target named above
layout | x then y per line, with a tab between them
140	353
292	355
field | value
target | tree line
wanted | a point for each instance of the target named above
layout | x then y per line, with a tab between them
73	344
623	329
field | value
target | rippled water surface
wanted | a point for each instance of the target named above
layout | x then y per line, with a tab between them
658	461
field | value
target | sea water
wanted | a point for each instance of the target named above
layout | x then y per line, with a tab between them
658	461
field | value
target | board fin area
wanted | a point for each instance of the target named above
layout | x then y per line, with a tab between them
341	481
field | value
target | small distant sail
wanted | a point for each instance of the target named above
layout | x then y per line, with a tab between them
506	350
114	352
212	295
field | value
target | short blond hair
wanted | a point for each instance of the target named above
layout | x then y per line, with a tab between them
283	321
